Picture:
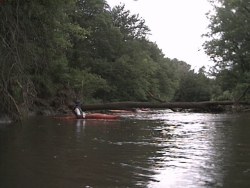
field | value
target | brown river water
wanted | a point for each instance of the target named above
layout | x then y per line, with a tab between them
152	150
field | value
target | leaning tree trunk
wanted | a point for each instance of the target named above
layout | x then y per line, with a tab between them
243	94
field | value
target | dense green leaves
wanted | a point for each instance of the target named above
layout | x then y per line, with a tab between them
131	26
84	46
229	43
192	86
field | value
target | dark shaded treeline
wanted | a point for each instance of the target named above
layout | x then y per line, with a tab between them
54	52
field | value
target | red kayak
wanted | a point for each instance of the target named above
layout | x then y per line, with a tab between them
90	116
121	111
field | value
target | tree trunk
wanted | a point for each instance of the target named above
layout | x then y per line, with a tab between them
204	106
243	94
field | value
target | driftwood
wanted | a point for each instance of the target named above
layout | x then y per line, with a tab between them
204	106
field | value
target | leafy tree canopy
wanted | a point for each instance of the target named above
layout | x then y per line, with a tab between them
228	43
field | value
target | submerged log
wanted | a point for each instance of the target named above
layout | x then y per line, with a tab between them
204	106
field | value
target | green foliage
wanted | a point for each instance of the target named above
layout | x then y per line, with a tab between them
216	90
229	44
101	54
229	28
193	87
225	96
238	90
125	62
131	26
86	84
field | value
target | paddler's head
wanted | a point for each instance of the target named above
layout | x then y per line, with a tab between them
78	103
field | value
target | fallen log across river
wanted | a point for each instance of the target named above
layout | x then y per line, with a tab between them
204	106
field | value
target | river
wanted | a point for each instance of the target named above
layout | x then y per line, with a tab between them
152	150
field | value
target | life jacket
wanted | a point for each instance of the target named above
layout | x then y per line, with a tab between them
78	108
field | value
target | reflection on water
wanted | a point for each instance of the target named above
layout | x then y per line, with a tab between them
197	151
159	149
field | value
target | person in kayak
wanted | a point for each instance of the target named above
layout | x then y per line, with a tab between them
78	110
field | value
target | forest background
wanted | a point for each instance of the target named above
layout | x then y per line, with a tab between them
54	52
